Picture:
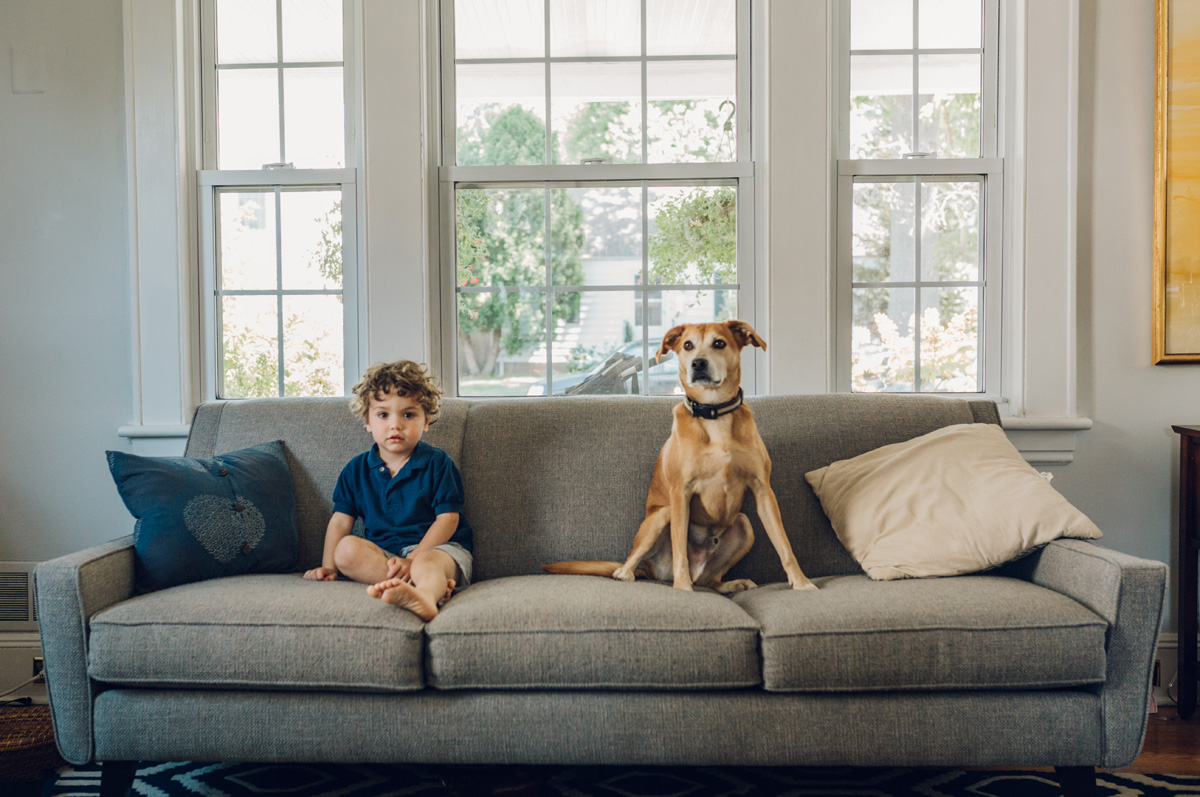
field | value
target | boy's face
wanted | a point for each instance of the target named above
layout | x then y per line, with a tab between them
396	422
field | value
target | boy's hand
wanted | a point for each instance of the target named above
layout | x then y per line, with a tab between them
398	567
322	574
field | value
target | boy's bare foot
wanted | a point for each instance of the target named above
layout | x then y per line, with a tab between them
401	593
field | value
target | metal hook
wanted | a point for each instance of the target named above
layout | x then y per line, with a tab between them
728	126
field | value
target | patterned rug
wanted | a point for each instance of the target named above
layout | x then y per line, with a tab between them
334	780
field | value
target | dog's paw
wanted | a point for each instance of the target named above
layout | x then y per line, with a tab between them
737	585
684	585
623	574
805	584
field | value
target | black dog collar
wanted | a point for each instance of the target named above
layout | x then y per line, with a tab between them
710	412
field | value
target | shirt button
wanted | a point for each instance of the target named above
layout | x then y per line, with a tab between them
381	470
239	507
222	472
246	549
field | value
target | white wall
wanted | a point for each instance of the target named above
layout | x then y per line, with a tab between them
65	318
64	287
1126	467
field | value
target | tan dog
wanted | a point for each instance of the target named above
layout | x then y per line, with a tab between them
714	454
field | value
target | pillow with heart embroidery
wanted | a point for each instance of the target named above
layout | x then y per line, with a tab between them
201	518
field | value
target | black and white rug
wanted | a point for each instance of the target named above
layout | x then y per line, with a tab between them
361	780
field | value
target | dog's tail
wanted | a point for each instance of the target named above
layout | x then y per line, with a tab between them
577	568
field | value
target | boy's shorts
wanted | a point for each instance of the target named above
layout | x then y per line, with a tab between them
460	555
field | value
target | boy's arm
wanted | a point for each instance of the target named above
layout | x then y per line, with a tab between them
340	525
439	532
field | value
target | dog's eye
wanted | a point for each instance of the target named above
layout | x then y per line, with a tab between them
688	345
718	344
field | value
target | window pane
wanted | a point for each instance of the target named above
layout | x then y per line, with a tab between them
597	345
246	223
881	108
312	239
500	236
246	32
247	118
691	115
881	24
882	339
595	28
950	24
691	27
950	240
313	346
250	344
597	111
693	235
312	30
950	108
314	118
882	232
501	114
685	307
949	352
499	335
597	236
499	29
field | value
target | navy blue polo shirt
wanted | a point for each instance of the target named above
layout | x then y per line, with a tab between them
398	510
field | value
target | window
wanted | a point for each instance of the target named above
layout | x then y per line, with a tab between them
597	188
277	200
919	197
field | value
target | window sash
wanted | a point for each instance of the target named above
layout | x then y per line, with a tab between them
739	172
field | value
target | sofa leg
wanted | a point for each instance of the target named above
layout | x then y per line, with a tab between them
1077	781
116	778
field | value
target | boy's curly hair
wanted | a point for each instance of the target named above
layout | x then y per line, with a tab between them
403	377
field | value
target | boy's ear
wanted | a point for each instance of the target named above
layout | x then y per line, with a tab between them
670	342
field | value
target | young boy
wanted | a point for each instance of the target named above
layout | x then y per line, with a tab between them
417	547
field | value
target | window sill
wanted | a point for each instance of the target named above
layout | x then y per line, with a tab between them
1045	440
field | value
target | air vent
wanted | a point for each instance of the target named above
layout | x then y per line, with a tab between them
17	612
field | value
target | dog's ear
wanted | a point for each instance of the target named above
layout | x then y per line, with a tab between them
745	335
670	342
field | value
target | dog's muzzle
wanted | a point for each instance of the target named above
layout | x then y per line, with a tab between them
700	374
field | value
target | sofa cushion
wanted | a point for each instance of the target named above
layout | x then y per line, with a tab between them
208	517
258	631
957	500
585	632
967	632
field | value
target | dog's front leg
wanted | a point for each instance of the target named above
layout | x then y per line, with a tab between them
768	511
647	535
681	500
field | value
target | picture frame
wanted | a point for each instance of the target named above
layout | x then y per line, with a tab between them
1176	335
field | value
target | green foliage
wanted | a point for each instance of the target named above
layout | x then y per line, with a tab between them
252	366
501	241
496	134
695	230
329	250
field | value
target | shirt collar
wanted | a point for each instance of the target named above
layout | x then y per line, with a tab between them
418	459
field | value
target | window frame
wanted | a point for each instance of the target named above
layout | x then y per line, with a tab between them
451	176
275	177
989	168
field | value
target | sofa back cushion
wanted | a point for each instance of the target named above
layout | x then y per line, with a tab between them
556	479
320	435
566	478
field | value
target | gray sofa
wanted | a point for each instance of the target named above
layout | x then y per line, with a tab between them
1044	662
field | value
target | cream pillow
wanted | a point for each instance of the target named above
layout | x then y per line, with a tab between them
957	500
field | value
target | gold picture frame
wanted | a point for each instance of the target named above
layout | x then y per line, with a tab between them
1176	181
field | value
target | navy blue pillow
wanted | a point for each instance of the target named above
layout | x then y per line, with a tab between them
208	517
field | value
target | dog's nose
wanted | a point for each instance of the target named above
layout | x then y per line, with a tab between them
699	365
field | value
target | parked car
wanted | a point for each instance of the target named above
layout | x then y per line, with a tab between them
619	373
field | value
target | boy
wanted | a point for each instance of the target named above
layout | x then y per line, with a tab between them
417	547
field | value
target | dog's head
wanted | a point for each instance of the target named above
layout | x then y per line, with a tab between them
710	362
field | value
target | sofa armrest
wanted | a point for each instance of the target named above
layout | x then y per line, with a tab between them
1128	592
68	591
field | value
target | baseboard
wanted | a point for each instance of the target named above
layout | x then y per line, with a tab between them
1167	657
17	652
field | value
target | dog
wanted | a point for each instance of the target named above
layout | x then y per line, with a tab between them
713	456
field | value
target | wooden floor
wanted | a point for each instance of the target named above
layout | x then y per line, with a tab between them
1172	745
